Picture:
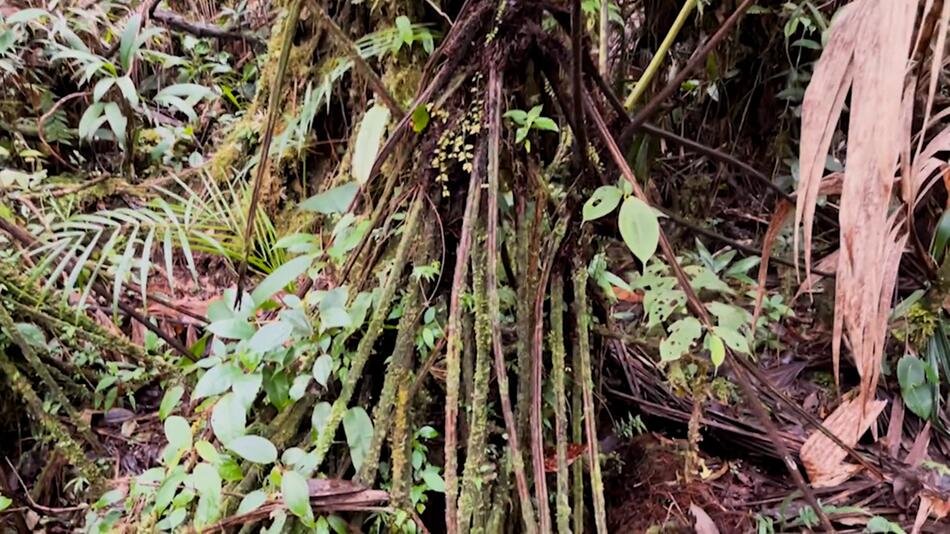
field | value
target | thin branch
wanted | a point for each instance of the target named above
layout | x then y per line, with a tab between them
453	358
351	51
290	22
698	60
177	22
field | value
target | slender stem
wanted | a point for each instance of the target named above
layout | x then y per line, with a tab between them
453	352
556	342
273	110
494	140
660	55
699	57
577	52
582	315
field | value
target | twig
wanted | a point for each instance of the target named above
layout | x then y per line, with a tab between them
361	64
42	120
493	105
37	506
177	22
700	311
698	59
290	27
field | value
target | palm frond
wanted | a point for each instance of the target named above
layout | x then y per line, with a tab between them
115	247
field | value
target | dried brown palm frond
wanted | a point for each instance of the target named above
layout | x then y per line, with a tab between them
869	49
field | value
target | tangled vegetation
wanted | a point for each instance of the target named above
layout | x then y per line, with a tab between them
481	266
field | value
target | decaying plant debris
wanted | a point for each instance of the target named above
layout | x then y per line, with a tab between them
474	266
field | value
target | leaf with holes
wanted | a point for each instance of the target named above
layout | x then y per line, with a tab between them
682	334
603	201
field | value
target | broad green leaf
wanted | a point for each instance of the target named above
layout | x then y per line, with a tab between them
321	414
127	42
420	118
733	338
299	387
322	368
277	386
167	489
117	121
207	452
681	336
5	502
128	90
170	401
101	88
253	449
236	328
173	519
919	400
911	372
544	123
433	479
26	15
702	278
252	501
639	228
335	200
359	434
228	419
912	376
368	139
280	278
881	525
91	120
207	481
270	336
296	494
178	432
603	201
519	116
729	316
246	388
534	113
404	27
109	498
717	351
215	381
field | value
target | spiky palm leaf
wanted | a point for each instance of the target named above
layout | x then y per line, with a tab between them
116	246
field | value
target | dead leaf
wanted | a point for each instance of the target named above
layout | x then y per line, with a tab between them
704	523
781	214
823	460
